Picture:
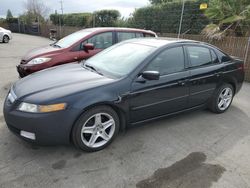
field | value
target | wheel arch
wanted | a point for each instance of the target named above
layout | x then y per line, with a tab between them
120	112
230	81
6	35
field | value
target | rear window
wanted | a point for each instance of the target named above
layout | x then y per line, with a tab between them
121	36
199	56
222	56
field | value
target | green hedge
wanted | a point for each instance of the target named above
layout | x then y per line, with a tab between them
102	18
74	19
165	18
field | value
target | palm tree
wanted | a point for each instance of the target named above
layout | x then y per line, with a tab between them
228	17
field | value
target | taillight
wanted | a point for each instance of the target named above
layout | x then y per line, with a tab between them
241	66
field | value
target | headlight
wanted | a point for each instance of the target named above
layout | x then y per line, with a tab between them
39	60
33	108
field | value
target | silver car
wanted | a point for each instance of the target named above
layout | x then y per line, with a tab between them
5	35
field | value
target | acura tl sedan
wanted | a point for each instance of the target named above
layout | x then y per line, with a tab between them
129	83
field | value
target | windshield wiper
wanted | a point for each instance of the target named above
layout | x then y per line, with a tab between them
92	68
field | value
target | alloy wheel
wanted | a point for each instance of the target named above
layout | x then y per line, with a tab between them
225	98
5	39
98	130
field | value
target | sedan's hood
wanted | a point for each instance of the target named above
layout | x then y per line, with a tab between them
38	52
58	82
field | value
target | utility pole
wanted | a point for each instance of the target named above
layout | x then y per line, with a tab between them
38	25
61	17
19	29
93	17
182	12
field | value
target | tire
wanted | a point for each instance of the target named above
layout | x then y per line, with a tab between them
6	39
222	99
90	133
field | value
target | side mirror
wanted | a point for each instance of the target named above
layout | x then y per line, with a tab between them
88	47
151	75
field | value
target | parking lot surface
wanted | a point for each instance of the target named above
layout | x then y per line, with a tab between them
191	150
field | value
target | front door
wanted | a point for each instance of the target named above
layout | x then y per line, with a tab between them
169	94
100	41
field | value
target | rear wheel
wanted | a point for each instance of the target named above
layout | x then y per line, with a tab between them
96	129
222	99
6	39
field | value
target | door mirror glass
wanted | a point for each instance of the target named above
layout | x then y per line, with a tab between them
88	47
151	75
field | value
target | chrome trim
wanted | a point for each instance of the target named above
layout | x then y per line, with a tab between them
12	96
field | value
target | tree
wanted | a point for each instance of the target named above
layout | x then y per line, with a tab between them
36	7
165	17
156	2
228	17
106	18
73	19
9	14
35	11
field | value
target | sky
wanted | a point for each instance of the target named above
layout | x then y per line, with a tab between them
126	7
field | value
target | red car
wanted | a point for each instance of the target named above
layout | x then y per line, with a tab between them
76	47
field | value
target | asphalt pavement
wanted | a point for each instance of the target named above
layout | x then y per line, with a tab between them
192	150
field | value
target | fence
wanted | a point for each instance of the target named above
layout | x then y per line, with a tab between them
235	46
61	32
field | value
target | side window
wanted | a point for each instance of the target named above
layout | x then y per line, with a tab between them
138	35
168	61
121	36
223	57
148	35
215	58
199	56
101	41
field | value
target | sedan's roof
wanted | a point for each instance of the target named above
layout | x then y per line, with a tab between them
95	29
158	42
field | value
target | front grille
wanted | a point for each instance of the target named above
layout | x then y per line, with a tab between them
13	129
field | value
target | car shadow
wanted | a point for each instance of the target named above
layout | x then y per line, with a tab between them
133	153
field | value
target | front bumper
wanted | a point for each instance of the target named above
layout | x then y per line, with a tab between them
49	128
24	70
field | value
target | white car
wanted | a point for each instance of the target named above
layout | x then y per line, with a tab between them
5	35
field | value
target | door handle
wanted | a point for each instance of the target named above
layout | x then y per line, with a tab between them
183	82
217	74
75	58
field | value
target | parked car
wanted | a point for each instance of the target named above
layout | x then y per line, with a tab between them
73	47
129	83
5	35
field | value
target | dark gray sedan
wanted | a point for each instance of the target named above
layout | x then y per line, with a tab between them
130	83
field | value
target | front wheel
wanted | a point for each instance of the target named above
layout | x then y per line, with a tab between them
222	99
96	129
5	39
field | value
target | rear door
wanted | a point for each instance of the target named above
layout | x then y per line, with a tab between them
206	70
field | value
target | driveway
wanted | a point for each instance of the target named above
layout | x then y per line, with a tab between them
191	150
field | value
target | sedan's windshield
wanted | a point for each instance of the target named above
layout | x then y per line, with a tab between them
71	39
119	60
